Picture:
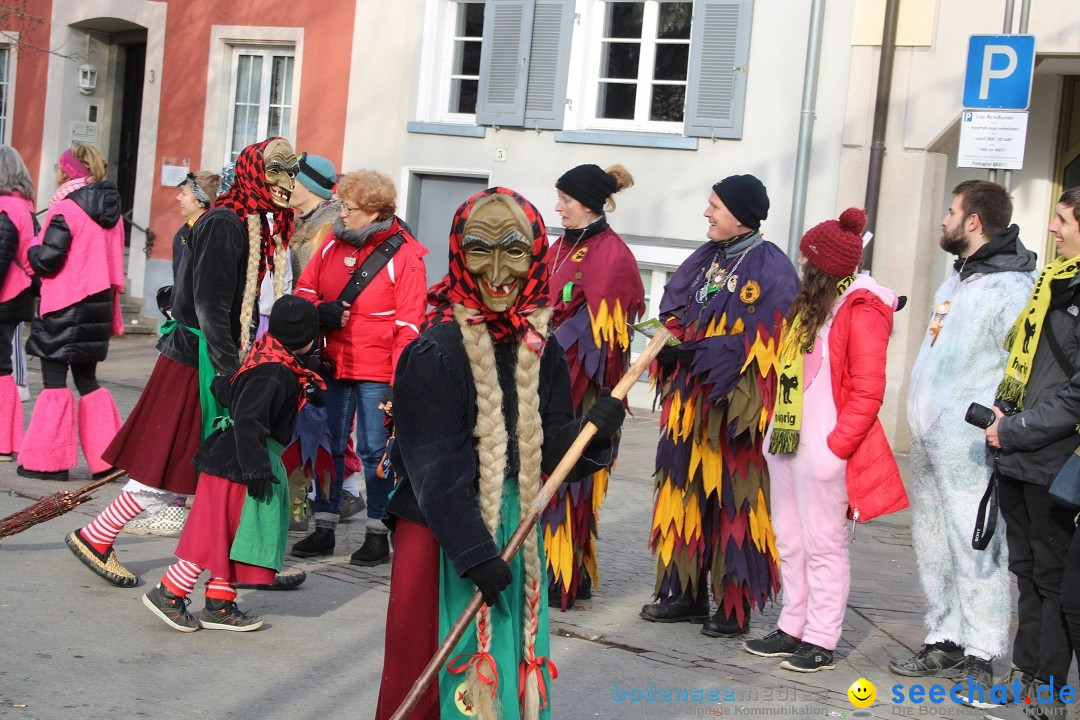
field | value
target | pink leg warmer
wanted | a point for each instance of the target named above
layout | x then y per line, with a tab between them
99	421
49	444
11	416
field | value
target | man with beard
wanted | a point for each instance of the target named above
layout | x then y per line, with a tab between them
960	362
482	407
230	248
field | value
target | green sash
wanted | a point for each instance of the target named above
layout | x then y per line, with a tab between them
264	524
209	407
506	625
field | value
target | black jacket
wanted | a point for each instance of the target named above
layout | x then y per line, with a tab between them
434	417
21	307
79	332
1036	442
263	404
208	292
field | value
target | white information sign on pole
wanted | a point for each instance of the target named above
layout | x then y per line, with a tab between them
992	139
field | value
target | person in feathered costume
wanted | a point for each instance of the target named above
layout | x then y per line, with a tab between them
596	291
230	248
726	304
482	408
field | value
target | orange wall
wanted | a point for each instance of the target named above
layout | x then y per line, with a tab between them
33	67
324	85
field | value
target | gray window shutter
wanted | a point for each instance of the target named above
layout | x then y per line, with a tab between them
719	53
504	62
549	63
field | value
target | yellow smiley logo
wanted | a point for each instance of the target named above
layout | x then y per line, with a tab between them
862	693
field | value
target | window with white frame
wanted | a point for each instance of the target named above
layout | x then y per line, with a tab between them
6	77
465	46
653	279
261	96
644	53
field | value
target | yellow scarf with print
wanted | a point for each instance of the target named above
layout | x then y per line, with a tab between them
787	413
1023	338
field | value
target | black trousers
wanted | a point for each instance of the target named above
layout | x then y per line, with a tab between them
7	335
1070	593
54	375
1038	532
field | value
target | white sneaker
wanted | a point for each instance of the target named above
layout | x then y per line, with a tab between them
167	523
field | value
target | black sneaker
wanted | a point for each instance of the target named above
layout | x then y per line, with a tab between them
776	644
1027	682
171	608
224	615
809	658
374	551
981	673
936	660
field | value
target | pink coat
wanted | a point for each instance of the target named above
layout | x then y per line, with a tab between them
20	211
95	262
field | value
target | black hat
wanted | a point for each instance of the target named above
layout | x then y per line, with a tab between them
589	185
745	197
294	321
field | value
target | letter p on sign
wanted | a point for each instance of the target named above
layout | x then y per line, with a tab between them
999	70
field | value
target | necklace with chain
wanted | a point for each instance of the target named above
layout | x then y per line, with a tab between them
556	265
717	277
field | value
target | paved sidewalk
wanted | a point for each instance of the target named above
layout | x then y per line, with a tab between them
76	647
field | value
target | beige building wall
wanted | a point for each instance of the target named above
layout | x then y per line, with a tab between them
921	140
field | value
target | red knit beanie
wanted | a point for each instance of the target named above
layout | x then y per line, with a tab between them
835	246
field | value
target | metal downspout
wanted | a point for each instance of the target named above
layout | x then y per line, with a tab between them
806	126
881	118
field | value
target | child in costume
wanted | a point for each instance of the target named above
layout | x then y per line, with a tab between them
482	407
240	520
826	447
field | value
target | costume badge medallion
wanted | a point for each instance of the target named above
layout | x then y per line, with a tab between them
350	261
463	700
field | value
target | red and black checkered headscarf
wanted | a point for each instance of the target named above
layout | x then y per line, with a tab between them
249	194
268	349
459	287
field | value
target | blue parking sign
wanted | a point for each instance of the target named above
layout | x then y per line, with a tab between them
999	70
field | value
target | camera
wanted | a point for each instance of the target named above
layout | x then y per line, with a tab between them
979	415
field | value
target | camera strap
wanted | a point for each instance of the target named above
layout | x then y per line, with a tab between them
985	524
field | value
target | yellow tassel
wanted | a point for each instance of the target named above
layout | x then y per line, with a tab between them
485	705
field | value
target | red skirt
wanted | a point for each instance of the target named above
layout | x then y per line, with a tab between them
163	431
210	528
412	621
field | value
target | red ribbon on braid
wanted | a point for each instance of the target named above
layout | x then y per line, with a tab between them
482	660
249	195
535	665
460	286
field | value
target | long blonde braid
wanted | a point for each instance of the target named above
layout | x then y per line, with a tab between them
530	432
251	282
491	435
280	263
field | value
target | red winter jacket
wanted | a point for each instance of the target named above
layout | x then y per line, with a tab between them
858	342
384	318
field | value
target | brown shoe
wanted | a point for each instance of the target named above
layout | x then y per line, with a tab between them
106	566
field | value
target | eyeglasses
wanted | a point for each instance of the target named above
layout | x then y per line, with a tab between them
347	211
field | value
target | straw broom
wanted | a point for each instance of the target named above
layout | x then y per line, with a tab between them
528	521
52	506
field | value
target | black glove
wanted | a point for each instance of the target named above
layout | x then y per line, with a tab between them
221	389
388	396
314	395
164	300
490	578
260	488
607	414
330	314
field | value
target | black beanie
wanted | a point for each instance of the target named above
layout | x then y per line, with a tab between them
294	321
589	185
745	197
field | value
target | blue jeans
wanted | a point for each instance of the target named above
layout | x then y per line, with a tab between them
345	399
